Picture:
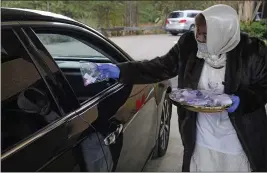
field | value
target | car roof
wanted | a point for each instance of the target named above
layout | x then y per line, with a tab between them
188	11
19	14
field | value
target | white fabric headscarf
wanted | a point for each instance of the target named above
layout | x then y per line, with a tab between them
223	34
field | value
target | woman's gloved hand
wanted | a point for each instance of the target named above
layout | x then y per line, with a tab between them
236	101
109	70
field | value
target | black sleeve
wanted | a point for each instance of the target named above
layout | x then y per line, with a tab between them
155	70
255	96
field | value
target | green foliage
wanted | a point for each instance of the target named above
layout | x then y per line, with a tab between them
149	11
96	13
255	29
106	14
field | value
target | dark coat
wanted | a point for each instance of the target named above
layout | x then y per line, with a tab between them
246	77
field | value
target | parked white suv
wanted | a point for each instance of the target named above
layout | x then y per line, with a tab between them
181	21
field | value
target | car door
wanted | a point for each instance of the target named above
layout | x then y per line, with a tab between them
83	150
41	115
127	115
32	129
141	128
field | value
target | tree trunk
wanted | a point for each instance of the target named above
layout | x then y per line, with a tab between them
47	5
166	13
248	9
262	8
128	13
240	10
258	4
135	13
99	18
108	17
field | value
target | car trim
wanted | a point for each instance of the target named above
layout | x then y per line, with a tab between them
65	119
88	100
38	64
76	26
35	136
10	23
93	102
84	28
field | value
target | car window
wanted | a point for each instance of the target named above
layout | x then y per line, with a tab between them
68	51
176	15
191	15
27	105
60	46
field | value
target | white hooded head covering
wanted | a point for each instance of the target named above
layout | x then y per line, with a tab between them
223	33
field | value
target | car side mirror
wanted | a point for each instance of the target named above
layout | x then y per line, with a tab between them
34	101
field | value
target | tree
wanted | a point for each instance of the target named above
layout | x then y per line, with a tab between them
104	14
248	10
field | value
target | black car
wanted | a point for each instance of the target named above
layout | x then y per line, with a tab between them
51	121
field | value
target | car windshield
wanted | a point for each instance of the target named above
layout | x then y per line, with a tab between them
176	15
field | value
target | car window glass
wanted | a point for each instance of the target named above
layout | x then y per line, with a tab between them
176	15
68	51
60	46
27	105
191	15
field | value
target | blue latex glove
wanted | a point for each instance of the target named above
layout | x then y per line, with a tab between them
236	101
109	70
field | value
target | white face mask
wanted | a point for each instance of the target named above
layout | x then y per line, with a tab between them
214	61
202	47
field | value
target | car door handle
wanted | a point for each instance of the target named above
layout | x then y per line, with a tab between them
111	138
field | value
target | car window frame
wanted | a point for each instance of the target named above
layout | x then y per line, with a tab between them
61	121
79	30
68	34
180	12
46	59
121	55
193	13
16	29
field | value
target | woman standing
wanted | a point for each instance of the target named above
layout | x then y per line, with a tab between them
214	57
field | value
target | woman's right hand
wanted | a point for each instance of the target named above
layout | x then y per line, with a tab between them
109	70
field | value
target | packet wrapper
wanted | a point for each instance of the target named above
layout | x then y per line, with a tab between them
90	73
